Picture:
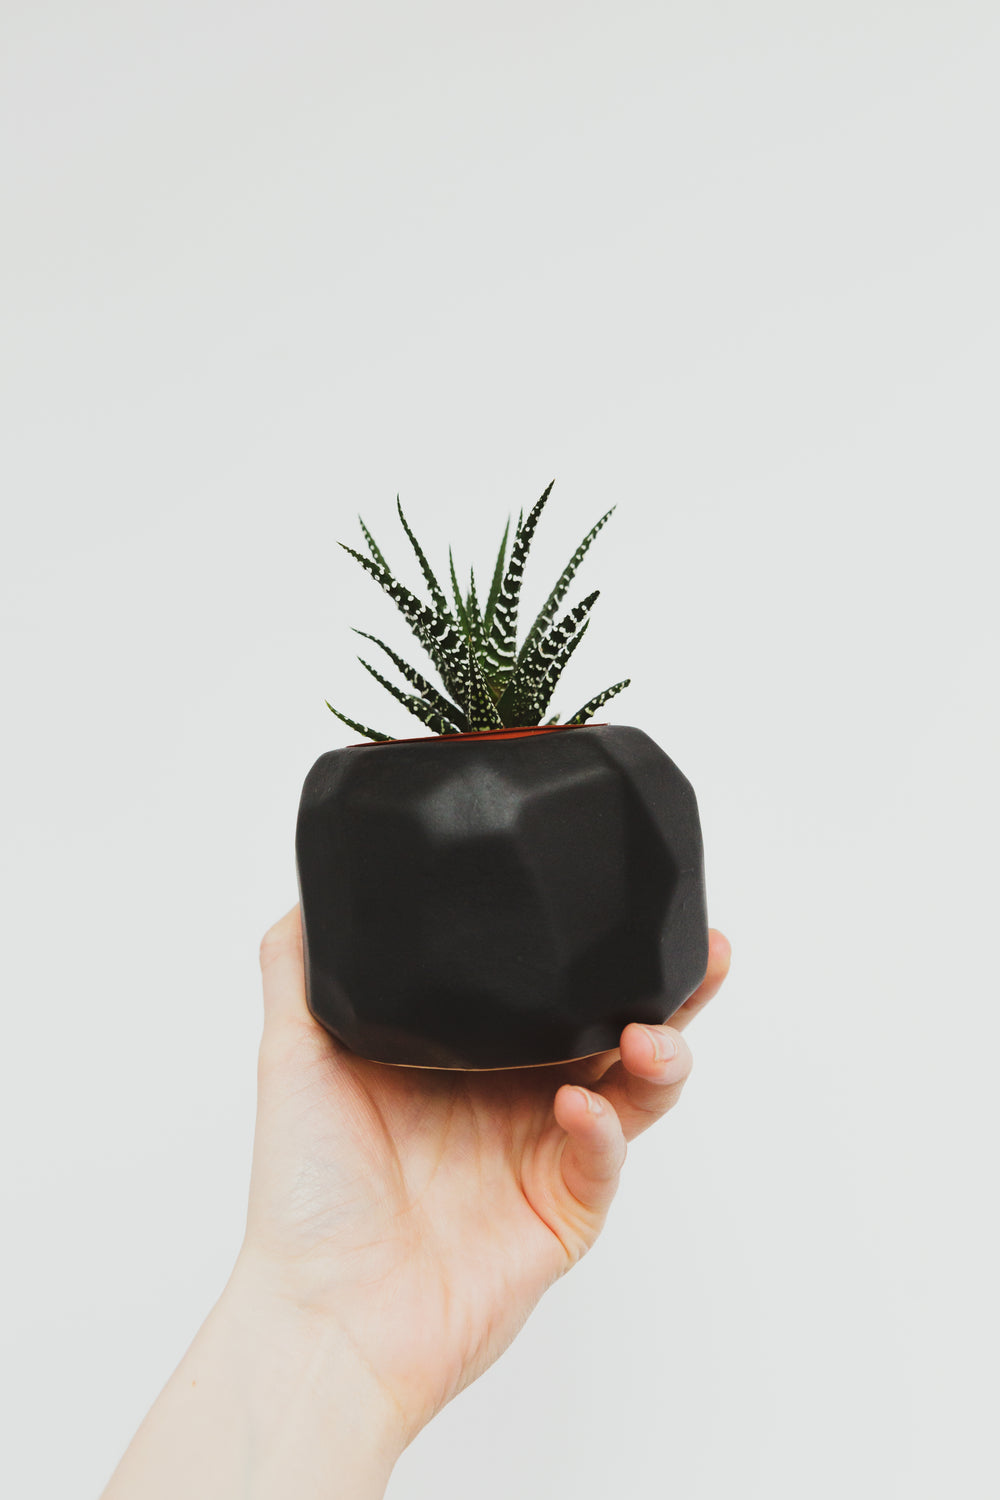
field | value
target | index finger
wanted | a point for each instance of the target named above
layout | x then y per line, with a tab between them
720	953
590	1070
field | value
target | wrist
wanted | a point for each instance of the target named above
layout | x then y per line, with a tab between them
303	1380
269	1401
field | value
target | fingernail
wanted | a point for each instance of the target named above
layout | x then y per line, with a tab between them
592	1101
662	1043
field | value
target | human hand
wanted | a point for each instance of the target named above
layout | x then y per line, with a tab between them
421	1213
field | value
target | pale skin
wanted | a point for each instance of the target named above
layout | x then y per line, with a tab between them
402	1224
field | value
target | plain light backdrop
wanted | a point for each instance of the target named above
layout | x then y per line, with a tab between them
731	267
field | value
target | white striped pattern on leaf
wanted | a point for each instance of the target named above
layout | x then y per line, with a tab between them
475	618
426	712
463	618
555	671
529	710
438	637
589	709
373	549
425	689
557	595
480	707
501	647
491	602
436	592
371	734
526	689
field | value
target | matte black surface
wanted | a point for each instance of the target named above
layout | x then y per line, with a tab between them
484	903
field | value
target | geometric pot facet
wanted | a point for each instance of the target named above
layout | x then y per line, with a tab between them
499	900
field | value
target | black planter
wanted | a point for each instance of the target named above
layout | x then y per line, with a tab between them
499	900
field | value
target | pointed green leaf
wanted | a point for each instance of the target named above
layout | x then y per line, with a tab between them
589	709
438	637
373	549
426	689
529	704
463	618
501	645
557	666
481	710
426	712
524	696
497	580
371	734
436	592
475	618
557	595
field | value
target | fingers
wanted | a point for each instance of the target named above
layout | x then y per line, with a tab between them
591	1070
655	1064
282	971
595	1149
719	955
644	1078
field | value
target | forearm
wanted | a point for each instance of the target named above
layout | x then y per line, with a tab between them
267	1402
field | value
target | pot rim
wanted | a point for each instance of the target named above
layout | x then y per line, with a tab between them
473	734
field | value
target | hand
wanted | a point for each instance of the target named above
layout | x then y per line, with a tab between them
421	1213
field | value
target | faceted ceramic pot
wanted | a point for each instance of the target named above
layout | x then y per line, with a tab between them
499	900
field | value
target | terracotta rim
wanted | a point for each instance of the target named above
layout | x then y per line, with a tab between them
485	734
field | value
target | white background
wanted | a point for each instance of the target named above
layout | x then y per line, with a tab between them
732	267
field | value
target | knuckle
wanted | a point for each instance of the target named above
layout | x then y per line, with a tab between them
650	1105
684	1061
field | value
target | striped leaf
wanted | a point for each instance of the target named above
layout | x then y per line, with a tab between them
589	709
436	592
557	595
371	734
424	688
501	646
475	618
438	637
474	647
426	712
373	549
480	707
556	668
525	690
463	618
528	709
491	602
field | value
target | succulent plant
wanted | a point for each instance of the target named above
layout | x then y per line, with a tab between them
490	683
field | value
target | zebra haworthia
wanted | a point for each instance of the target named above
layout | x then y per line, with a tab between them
490	683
